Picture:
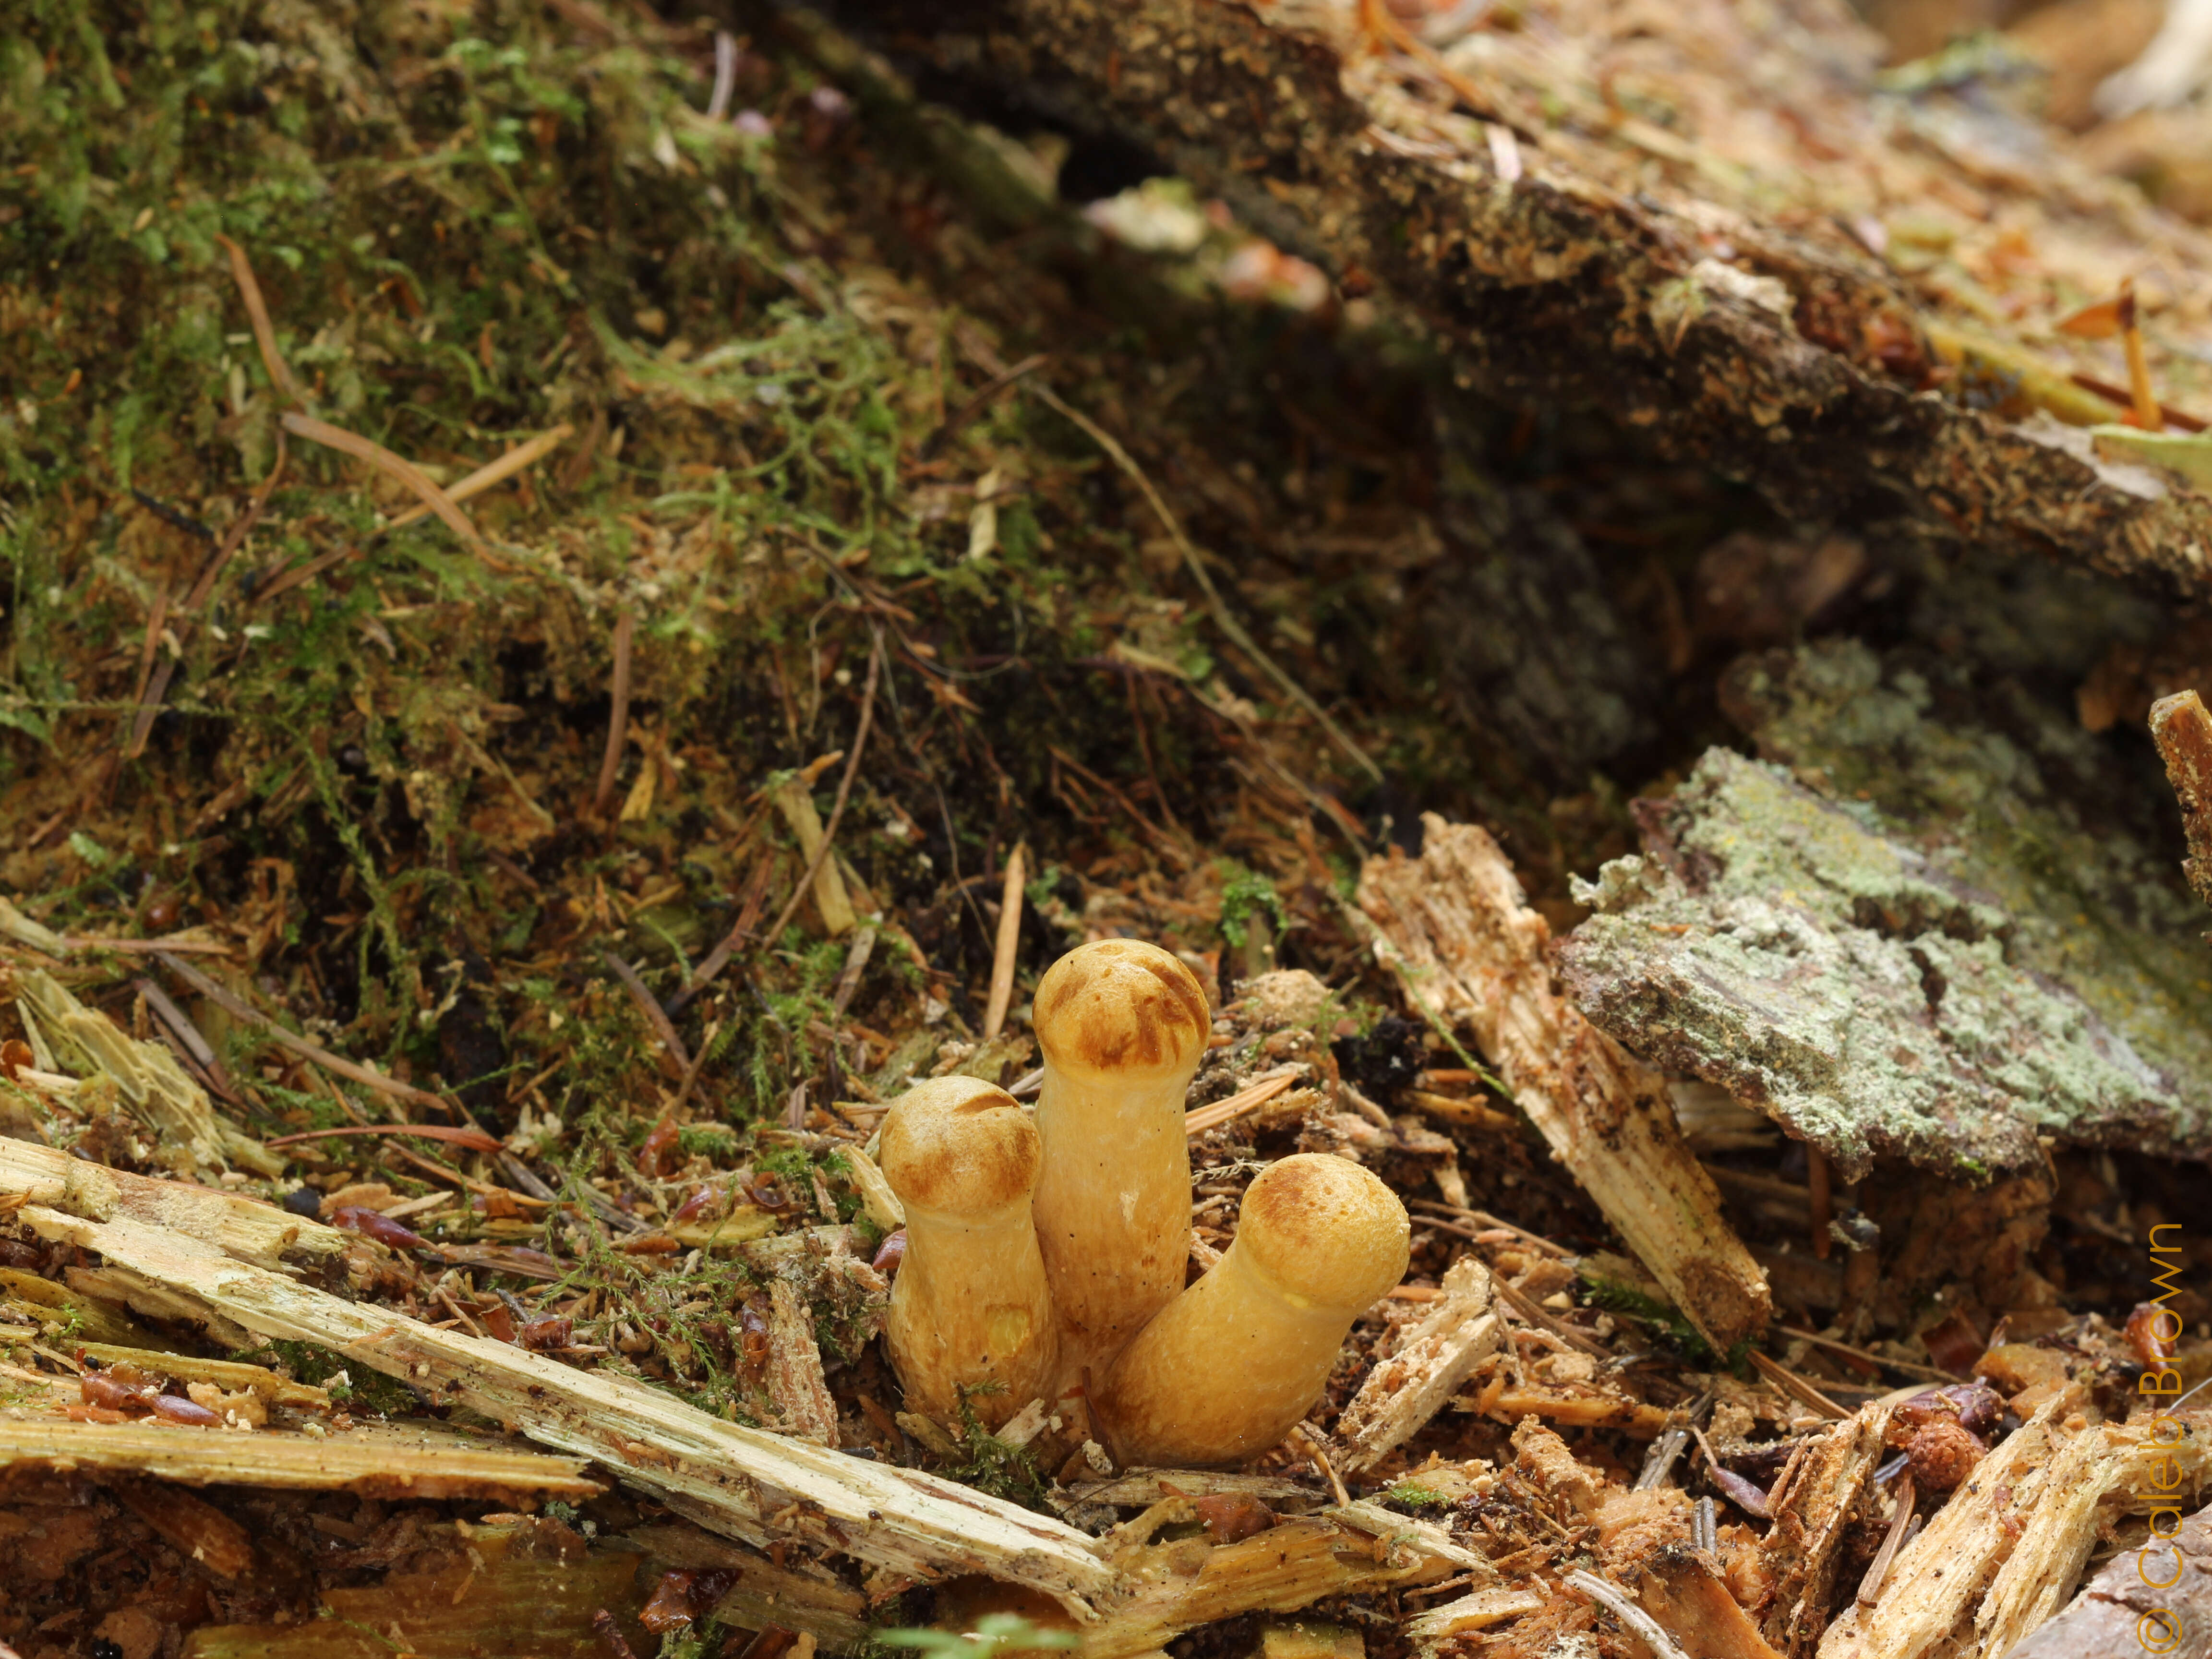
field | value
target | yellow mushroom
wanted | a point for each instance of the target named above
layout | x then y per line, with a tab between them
1123	1025
970	1307
1235	1362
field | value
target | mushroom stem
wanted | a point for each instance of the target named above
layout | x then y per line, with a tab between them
1234	1364
970	1309
1123	1025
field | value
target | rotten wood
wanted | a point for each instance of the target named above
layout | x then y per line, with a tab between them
2183	731
1455	928
383	1464
2157	1598
1997	1560
746	1483
1433	1360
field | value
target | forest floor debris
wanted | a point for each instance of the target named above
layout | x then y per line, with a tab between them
750	590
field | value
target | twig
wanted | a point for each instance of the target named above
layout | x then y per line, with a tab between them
406	472
1145	748
617	717
475	1140
305	571
679	1056
2148	416
748	912
1310	1445
1008	947
1816	1185
149	701
1927	1373
691	1072
181	1027
513	461
1222	617
156	614
1490	1220
1527	1306
299	1045
844	789
1795	1385
1628	1613
1878	1569
1199	1120
257	314
1167	844
934	444
726	74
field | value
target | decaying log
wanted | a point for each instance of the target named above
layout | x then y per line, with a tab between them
1455	929
1575	273
2034	1501
744	1482
2157	1599
1163	1590
1433	1359
1799	1550
155	1088
241	1227
793	1597
528	1587
1772	942
372	1463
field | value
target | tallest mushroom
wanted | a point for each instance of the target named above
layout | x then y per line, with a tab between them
1123	1025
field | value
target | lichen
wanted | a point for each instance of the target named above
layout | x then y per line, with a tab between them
1945	965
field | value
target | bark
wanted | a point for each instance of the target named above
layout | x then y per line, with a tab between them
1576	282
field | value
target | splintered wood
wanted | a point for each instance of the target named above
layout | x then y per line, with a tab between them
1800	1551
1458	934
2119	1608
372	1464
154	1088
1433	1359
1163	1590
1997	1560
750	1485
242	1227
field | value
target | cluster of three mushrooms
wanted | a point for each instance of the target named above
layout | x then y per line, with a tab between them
1049	1254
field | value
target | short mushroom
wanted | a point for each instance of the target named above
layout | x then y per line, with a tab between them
1123	1025
969	1309
1238	1360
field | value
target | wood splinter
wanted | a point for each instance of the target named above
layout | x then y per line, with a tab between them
1454	927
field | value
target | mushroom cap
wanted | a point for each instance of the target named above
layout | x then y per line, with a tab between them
1120	1005
1324	1230
959	1145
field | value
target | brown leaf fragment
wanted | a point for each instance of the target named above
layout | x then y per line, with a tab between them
1692	1604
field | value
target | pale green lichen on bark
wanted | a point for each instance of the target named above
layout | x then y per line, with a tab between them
1946	964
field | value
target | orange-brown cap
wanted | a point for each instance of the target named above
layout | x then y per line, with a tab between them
1324	1230
1120	1004
959	1145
